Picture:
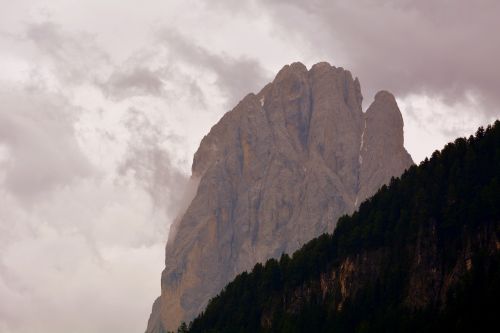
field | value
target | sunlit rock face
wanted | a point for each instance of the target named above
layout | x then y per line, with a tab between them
275	172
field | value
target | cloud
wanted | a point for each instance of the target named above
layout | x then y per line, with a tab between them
70	261
431	122
37	131
137	81
88	187
235	77
103	106
74	57
150	162
408	47
92	173
78	240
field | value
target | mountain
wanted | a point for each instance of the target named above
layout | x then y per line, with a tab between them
422	255
273	173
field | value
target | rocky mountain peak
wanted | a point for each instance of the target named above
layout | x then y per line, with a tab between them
295	68
384	110
274	172
384	121
382	136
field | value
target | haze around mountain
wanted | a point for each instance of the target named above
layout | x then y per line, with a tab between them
104	103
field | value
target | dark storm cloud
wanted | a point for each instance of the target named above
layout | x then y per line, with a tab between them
442	48
236	77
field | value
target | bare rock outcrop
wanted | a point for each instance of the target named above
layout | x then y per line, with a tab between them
275	172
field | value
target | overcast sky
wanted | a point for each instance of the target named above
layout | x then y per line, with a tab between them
103	103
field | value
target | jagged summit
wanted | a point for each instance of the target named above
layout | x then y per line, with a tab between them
274	172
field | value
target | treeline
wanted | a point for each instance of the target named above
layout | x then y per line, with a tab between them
454	196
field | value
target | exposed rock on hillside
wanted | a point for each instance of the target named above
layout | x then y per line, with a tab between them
421	255
276	171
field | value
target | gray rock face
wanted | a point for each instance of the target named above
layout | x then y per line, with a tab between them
275	172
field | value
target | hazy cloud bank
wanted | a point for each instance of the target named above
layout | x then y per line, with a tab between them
102	105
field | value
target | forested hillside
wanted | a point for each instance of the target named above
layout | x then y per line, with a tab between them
421	255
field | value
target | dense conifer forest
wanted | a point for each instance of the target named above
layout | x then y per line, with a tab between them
452	199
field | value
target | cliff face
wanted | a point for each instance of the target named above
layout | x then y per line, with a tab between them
275	172
429	286
421	255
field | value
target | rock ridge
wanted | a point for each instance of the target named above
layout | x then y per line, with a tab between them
275	172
